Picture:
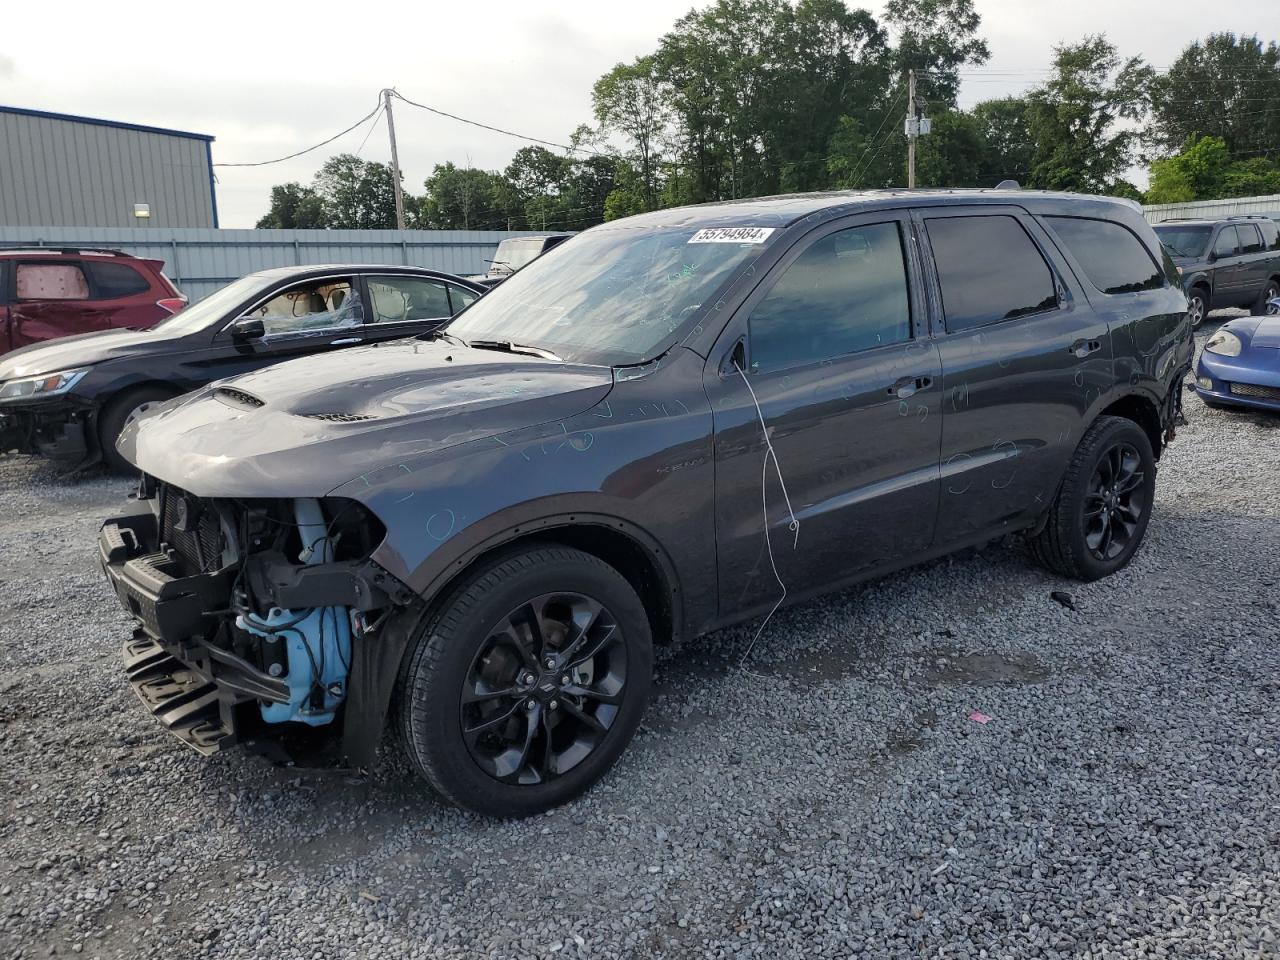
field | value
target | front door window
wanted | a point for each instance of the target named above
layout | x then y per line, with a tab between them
317	305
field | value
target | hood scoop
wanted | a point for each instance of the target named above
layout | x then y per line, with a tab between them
339	417
238	398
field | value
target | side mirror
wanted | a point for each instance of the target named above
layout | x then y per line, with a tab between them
1212	257
248	328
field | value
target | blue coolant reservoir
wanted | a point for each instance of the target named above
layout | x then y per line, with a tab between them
315	648
316	644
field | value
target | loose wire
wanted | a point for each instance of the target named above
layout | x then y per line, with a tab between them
793	526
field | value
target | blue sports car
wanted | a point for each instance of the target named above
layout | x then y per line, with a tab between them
1240	363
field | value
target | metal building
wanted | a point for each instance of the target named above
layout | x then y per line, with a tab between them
62	170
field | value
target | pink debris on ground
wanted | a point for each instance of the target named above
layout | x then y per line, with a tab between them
979	717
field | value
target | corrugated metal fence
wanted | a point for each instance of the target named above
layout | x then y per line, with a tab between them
1269	205
200	261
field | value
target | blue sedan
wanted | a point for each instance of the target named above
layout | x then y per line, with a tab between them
1240	364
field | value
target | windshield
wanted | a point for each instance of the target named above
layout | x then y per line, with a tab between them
613	295
1185	241
515	253
214	307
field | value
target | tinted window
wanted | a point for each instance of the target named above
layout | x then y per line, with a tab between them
315	305
398	299
51	281
989	271
1250	239
112	280
1270	235
847	292
1114	260
1225	245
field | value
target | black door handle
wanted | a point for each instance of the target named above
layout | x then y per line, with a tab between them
908	386
1082	348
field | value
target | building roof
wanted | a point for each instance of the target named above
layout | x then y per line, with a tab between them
73	118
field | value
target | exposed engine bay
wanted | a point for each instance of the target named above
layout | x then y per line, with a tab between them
250	611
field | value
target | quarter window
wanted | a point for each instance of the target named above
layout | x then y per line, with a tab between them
989	271
114	280
1114	260
1270	235
51	281
397	299
460	297
847	292
313	306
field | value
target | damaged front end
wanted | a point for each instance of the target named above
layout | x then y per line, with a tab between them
256	616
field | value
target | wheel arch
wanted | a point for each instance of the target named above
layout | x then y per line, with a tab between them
1143	411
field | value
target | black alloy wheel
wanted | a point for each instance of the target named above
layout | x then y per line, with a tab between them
1116	502
544	688
523	686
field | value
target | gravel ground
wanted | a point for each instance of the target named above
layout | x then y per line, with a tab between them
834	800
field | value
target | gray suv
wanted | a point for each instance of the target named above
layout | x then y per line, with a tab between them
1233	262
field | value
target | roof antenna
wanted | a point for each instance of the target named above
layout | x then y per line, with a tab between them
1008	185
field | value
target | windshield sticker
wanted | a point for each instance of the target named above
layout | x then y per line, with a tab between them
732	235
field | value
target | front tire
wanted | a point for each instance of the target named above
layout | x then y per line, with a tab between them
524	688
1102	509
117	413
1269	293
1197	306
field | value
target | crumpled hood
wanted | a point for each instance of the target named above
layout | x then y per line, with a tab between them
83	350
305	427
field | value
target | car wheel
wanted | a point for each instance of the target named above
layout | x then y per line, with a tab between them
528	683
116	416
1104	504
1269	293
1197	307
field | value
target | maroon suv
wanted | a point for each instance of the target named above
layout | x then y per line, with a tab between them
47	293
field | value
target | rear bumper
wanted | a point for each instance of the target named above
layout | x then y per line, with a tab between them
201	692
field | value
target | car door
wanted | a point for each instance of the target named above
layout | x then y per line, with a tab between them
1023	357
407	305
1226	266
829	359
1253	270
6	334
52	299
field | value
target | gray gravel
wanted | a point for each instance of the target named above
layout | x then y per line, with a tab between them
834	800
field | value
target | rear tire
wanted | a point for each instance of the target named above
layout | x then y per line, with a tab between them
478	716
1102	509
117	413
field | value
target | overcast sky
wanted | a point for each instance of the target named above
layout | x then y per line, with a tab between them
267	79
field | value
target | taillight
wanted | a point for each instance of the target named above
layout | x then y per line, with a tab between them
172	304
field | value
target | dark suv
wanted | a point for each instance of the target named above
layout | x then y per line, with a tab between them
47	293
1233	262
666	425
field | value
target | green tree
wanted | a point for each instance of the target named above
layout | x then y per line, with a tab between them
630	100
1223	86
462	198
358	194
1007	152
538	178
952	154
1075	118
936	38
1204	170
294	206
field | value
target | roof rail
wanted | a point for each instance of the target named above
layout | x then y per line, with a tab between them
61	247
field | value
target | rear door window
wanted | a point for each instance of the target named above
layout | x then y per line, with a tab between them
400	299
1112	257
51	281
989	270
847	292
114	280
1270	234
1250	239
460	297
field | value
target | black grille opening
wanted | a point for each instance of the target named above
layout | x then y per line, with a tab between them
1255	391
238	397
338	417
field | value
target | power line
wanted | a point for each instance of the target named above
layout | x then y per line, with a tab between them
264	163
885	120
368	133
485	126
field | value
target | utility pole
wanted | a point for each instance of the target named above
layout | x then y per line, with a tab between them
395	160
913	130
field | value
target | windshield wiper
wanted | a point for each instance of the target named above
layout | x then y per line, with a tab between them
443	335
508	347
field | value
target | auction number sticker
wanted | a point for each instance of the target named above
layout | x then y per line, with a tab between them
732	235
